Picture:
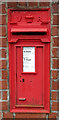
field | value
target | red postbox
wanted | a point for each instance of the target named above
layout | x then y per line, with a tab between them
29	60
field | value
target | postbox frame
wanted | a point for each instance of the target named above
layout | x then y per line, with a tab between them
26	108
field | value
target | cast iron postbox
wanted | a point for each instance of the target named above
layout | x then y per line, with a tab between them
29	60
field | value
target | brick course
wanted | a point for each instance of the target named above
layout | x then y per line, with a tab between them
54	96
4	106
2	31
55	41
3	64
3	42
30	115
2	19
4	95
7	115
56	19
55	8
33	4
54	74
2	8
3	84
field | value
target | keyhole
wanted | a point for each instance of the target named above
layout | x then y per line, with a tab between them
23	80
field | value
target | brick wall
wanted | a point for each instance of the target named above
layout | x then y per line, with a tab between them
4	62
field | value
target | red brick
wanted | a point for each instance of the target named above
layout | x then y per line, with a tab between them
3	84
54	95
56	41
54	7
52	115
7	115
54	52
32	4
3	42
4	95
44	3
2	31
58	85
3	53
0	116
55	85
4	74
11	4
2	19
55	63
54	31
0	84
2	8
30	115
22	3
0	64
3	106
0	105
56	19
0	95
3	64
54	74
55	106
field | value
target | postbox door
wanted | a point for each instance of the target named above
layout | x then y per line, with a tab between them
29	62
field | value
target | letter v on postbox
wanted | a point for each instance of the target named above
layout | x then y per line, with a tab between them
29	60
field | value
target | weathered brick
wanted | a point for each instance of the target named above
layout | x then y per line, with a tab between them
0	95
55	41
0	84
54	74
3	84
54	85
56	19
55	106
0	64
2	8
3	53
22	3
2	31
58	52
58	95
32	4
52	115
0	105
4	74
58	85
44	3
3	64
30	115
11	4
2	19
55	31
54	95
54	52
3	42
55	63
55	7
7	115
3	105
0	116
4	95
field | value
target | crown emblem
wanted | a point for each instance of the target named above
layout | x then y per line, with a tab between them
29	18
